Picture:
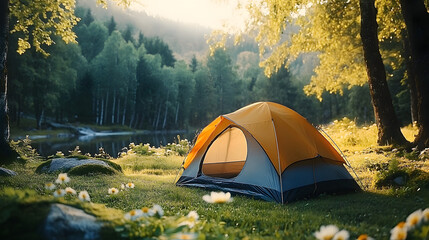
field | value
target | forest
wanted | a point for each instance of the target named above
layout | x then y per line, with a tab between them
119	76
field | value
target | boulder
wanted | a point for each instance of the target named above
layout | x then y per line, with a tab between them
400	181
7	172
65	222
65	164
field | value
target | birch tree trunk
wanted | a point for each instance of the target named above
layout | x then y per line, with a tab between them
177	113
102	112
166	111
124	114
113	106
106	105
118	111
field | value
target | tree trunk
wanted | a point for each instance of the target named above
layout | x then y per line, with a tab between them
411	79
133	115
97	111
417	21
125	110
118	111
389	131
157	118
106	107
113	106
166	111
177	113
6	153
101	111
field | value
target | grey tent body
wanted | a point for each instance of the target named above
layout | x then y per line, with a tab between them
266	151
259	179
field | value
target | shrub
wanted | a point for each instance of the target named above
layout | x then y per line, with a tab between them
141	149
25	150
412	178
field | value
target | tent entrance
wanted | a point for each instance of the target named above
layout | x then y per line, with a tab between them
226	156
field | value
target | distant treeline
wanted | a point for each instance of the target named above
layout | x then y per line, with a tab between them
118	77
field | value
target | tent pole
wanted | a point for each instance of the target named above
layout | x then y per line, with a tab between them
278	158
344	156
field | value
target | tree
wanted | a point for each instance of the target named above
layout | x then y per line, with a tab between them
194	64
416	19
32	20
91	38
223	76
204	95
157	46
88	19
286	29
111	25
6	153
388	125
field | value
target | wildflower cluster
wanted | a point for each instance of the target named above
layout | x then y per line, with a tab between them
180	149
416	226
60	191
140	149
151	223
123	187
102	154
75	152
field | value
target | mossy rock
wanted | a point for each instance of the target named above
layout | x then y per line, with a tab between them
43	166
67	164
115	166
92	169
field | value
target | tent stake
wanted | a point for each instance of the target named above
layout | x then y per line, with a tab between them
344	156
278	158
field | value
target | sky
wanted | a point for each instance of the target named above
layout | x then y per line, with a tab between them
208	13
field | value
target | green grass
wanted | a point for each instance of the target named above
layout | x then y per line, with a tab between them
373	212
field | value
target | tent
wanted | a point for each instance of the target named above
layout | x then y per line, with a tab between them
267	151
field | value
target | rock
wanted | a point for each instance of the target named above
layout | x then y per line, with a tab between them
65	222
7	172
400	181
65	164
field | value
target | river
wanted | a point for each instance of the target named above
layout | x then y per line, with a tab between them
112	144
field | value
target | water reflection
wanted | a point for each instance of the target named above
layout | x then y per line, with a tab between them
111	144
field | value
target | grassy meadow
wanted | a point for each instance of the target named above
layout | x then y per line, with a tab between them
375	211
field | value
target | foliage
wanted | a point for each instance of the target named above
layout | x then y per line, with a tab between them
181	148
37	20
25	150
286	29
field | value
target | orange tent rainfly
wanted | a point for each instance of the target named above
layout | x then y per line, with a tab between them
267	151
